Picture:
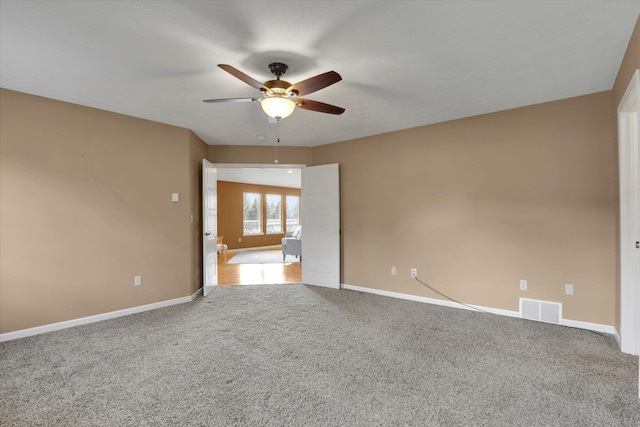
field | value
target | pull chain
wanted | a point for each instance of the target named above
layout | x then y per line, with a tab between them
277	139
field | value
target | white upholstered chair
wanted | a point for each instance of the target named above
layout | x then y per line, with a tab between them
293	245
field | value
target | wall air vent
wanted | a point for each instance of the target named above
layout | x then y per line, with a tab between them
542	311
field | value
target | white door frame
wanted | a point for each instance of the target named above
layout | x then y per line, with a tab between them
629	171
209	227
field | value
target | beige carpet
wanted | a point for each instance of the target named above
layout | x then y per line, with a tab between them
285	355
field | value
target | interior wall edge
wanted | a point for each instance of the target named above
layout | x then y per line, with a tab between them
630	63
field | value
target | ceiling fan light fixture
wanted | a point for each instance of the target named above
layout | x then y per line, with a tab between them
278	107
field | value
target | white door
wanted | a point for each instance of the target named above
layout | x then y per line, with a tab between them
321	226
209	227
629	170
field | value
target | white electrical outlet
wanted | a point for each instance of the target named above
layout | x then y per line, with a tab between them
414	272
568	289
137	281
393	271
523	285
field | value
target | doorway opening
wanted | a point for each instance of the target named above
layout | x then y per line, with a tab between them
320	210
253	230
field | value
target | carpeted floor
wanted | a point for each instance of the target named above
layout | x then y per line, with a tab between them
297	355
261	257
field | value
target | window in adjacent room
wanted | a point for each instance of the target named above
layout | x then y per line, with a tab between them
252	209
274	213
293	213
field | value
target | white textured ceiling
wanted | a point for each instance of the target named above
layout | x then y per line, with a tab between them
279	177
403	63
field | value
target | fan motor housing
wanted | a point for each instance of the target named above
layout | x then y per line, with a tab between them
277	86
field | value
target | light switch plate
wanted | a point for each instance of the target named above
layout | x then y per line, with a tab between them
523	285
568	289
175	197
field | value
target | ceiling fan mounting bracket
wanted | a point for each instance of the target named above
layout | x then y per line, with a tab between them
278	69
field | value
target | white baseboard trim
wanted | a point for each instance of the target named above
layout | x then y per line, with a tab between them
607	329
8	336
596	327
435	301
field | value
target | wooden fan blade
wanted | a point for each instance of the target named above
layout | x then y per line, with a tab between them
313	84
308	104
213	101
242	76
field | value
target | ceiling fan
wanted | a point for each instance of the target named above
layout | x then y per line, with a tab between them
280	98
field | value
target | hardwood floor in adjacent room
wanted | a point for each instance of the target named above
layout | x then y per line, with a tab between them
257	274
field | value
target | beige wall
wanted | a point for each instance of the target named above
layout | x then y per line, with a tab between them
478	204
230	203
86	206
259	154
630	63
